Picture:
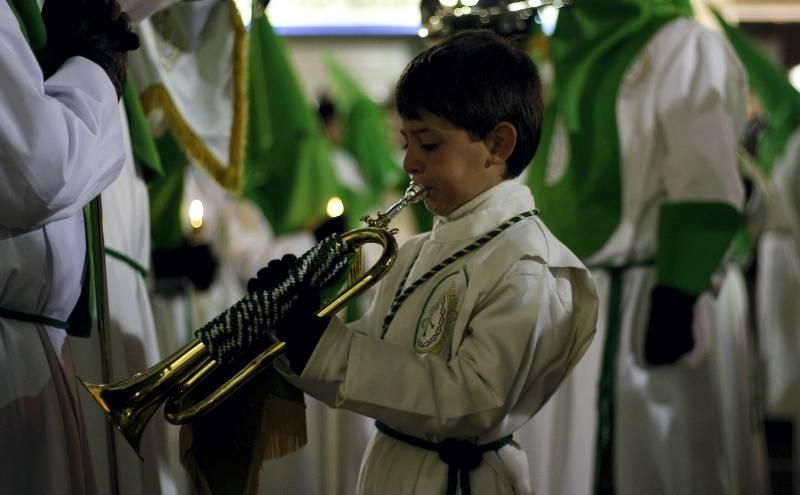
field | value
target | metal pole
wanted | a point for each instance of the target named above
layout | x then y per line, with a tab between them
103	327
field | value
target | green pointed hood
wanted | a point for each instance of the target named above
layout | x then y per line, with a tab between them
288	165
594	44
779	99
594	33
32	25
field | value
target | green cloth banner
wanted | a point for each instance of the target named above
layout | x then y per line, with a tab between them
366	135
288	172
779	99
142	142
166	195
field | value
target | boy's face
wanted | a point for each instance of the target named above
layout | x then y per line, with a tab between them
446	161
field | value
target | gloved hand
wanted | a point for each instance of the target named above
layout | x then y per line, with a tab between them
197	263
669	329
273	274
282	301
302	328
95	29
334	225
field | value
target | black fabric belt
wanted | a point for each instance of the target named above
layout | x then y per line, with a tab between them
460	456
32	318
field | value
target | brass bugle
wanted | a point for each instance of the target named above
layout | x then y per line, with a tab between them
131	403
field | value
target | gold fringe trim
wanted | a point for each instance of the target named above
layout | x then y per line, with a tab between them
281	432
156	97
283	429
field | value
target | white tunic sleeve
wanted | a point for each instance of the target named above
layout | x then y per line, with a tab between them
61	141
520	342
701	105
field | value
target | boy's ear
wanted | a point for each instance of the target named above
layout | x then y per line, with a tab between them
501	141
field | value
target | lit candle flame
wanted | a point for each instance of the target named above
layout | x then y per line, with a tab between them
335	207
196	213
794	76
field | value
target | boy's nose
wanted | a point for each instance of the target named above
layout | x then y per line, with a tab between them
411	164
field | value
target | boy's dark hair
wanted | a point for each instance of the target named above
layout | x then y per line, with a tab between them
475	80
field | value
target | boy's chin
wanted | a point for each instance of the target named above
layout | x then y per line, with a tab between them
435	208
430	206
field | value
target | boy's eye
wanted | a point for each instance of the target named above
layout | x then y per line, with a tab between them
429	146
404	146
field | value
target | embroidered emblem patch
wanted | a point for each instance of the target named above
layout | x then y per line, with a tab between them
438	318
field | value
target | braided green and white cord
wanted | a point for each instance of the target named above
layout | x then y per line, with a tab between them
232	333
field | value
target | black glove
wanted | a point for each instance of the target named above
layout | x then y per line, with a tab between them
197	263
271	275
669	329
334	225
274	302
95	29
302	329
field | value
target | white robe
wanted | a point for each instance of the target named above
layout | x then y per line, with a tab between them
679	112
60	145
736	381
778	285
473	353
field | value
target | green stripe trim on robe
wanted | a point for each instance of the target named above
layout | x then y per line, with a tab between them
289	173
692	240
124	258
593	46
142	142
